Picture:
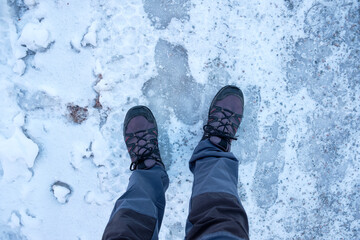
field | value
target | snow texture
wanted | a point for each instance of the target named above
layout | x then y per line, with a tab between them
70	70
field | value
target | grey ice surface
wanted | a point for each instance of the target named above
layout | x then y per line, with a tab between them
161	12
174	81
330	128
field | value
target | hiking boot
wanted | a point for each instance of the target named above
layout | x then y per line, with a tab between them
225	115
141	138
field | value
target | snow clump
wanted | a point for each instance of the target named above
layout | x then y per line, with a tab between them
35	37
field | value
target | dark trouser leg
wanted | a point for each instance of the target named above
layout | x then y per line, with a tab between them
215	208
138	213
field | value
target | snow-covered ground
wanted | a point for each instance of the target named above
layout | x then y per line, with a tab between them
70	70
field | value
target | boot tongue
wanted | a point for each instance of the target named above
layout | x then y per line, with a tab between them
221	143
149	163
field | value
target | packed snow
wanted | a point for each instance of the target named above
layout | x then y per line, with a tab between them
70	70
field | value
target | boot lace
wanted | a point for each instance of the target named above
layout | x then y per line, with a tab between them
226	127
148	150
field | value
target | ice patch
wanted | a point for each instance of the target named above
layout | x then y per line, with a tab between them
161	12
269	165
352	26
39	100
172	91
309	56
351	67
35	37
246	148
174	87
